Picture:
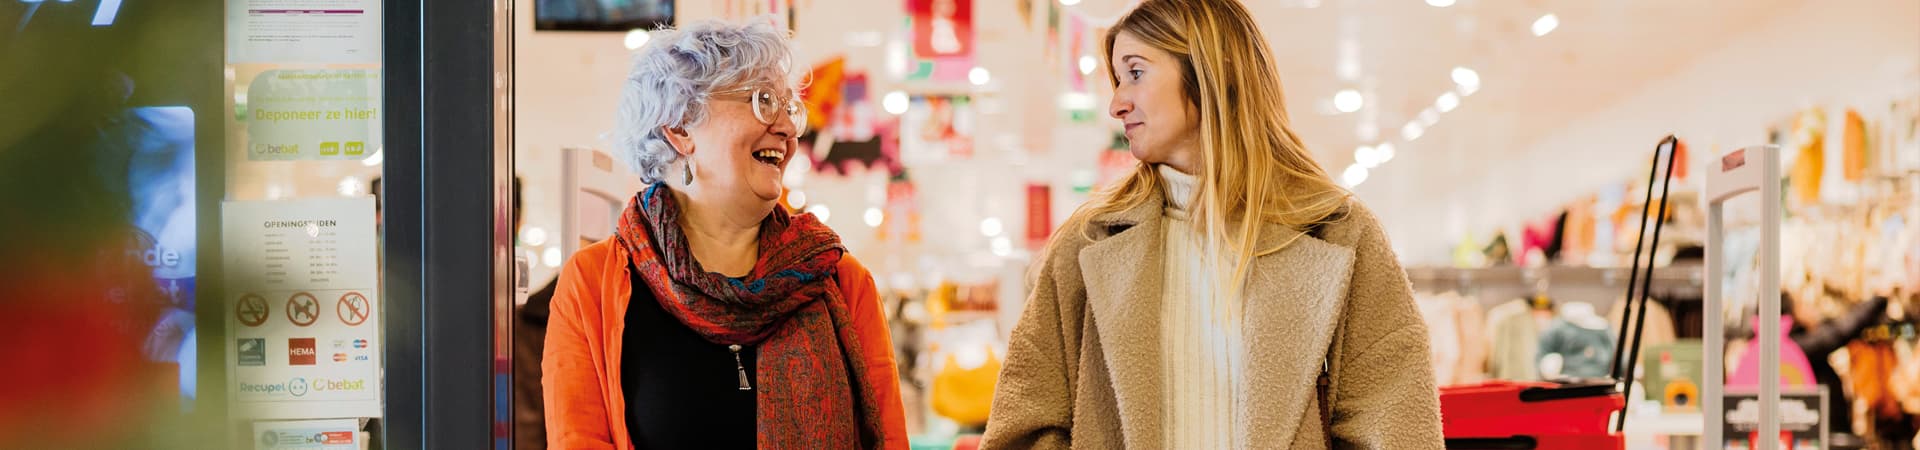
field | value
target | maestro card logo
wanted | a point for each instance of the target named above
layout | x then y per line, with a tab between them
301	351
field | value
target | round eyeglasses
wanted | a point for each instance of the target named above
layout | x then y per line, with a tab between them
768	107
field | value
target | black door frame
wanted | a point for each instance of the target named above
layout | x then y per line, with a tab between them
447	213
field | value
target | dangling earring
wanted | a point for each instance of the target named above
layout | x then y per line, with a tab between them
689	170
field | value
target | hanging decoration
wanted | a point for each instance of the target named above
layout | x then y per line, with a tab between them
937	128
855	119
903	210
943	43
823	94
1039	214
781	12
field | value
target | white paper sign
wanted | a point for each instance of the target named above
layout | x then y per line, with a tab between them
312	115
304	312
333	434
303	31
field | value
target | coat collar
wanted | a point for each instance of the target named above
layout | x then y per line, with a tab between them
1293	301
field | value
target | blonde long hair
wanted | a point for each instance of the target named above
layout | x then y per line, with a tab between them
1253	168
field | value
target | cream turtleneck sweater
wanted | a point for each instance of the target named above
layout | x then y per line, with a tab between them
1201	335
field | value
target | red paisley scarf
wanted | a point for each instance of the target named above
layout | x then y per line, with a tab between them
788	306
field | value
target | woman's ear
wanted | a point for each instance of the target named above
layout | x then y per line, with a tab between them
678	137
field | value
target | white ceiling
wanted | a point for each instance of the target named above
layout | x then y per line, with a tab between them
1531	86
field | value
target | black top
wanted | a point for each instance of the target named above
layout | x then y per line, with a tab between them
681	391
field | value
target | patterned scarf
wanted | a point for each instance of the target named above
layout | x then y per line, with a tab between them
788	306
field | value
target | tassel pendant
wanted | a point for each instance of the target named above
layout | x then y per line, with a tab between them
742	368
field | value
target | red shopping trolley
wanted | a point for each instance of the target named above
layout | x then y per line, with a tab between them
1571	415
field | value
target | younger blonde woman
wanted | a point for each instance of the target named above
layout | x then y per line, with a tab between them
1227	294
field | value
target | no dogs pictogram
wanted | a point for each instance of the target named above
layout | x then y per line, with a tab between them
303	309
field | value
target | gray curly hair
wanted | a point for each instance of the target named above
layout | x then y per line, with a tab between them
675	72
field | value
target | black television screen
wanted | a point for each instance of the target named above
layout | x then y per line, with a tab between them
602	15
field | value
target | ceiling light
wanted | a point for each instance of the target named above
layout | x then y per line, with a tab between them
1088	64
979	76
897	58
534	236
551	257
1412	131
1365	156
1447	102
637	38
1466	78
1383	152
895	102
795	175
1069	2
1545	24
991	227
1348	100
1428	117
351	187
1076	101
1354	175
820	211
796	199
865	39
1002	246
1440	3
874	217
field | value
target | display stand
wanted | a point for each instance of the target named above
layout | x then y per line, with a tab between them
1738	172
593	192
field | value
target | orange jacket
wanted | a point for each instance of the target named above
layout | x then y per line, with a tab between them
585	407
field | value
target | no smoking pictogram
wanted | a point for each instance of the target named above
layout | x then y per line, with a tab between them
353	308
303	309
251	310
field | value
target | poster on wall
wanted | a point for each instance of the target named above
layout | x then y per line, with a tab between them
303	31
303	309
936	129
312	115
942	33
1039	214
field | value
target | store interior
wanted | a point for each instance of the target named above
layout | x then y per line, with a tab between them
1504	145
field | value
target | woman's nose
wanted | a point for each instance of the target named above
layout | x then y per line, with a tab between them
1119	107
784	127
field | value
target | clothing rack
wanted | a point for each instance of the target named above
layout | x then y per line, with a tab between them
1600	286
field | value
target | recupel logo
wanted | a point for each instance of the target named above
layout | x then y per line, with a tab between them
297	386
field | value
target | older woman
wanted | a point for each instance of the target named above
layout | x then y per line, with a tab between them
715	319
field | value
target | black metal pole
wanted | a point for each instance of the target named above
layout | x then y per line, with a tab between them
1633	357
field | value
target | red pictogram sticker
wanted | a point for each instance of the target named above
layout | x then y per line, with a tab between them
353	309
303	309
251	310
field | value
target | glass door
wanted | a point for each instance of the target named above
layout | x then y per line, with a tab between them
222	231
